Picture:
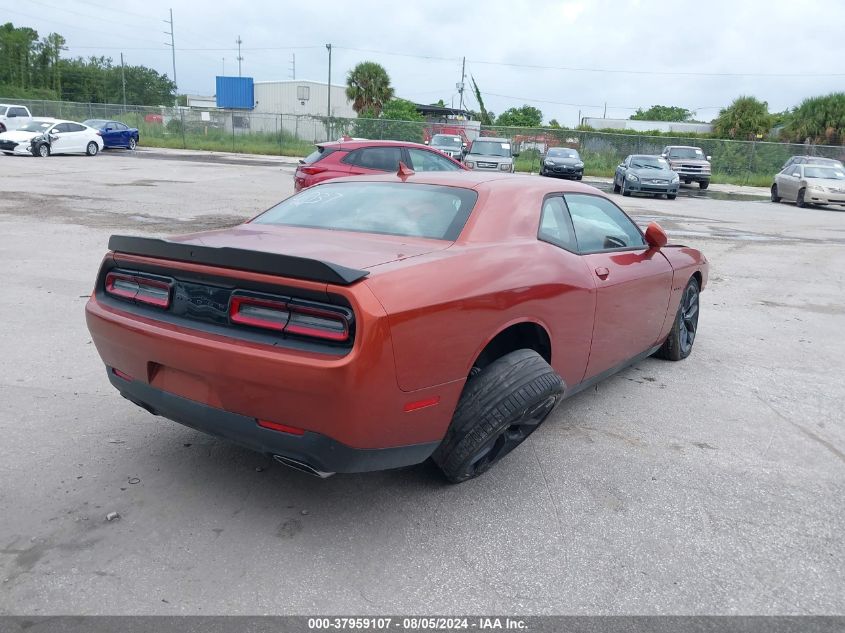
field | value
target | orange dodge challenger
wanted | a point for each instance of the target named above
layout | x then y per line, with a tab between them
374	322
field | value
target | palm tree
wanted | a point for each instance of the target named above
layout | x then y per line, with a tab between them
368	88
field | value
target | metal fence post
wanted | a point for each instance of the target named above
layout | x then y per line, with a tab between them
182	117
750	162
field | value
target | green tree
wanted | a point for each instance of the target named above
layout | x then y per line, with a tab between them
553	123
485	117
398	121
662	113
818	120
368	87
744	119
524	116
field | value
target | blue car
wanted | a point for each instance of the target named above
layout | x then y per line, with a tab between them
115	133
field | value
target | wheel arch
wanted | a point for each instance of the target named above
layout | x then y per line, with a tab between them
520	334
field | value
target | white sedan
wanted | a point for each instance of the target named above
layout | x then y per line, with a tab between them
42	137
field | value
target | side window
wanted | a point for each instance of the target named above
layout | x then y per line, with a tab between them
424	160
74	127
18	112
381	158
796	171
120	126
555	225
60	128
600	225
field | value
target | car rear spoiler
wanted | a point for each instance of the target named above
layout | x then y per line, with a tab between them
237	258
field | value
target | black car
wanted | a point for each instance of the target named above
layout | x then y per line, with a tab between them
563	162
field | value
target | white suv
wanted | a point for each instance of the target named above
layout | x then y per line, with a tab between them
13	116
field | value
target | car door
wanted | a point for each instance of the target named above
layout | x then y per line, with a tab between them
61	139
788	184
374	160
123	134
633	281
111	134
427	160
622	170
80	137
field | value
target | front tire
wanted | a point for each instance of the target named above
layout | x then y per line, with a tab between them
92	149
616	187
671	196
499	408
132	143
625	191
678	345
703	184
800	199
775	196
42	150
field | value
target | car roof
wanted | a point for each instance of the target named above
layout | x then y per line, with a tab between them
646	156
357	144
495	139
572	149
683	146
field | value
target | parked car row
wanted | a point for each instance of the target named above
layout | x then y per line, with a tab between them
23	134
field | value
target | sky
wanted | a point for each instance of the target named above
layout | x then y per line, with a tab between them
565	57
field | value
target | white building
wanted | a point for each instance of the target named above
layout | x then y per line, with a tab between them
598	123
301	97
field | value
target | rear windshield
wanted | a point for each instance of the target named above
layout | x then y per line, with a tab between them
317	154
406	209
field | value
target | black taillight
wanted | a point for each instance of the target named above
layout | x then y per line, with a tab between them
140	289
291	316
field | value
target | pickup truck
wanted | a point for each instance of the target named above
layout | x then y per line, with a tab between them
689	163
13	116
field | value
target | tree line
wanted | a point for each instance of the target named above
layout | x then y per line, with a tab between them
31	67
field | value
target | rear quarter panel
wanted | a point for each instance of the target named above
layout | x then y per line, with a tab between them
444	310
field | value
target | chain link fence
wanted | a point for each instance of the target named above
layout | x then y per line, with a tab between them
739	162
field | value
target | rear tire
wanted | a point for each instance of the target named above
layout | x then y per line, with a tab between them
499	408
703	184
678	345
800	199
92	149
775	196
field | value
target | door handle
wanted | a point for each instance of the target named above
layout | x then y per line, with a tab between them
602	272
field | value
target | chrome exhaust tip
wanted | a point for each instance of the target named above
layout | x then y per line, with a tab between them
302	467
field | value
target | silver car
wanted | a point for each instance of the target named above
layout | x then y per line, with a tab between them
810	184
488	153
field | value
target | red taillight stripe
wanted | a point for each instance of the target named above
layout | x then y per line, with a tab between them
121	374
309	330
284	428
422	404
236	316
149	291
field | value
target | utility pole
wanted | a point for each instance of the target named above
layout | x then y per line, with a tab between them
579	119
463	77
293	65
173	51
329	93
604	116
239	41
123	80
223	74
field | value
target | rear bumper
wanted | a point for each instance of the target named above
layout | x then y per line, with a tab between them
318	451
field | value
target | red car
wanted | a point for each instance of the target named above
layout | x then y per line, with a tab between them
356	157
374	322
